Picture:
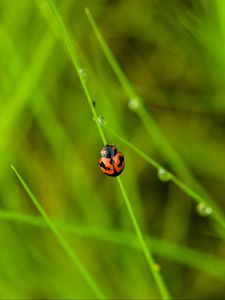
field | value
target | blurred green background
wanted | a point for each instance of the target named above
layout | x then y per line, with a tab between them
173	53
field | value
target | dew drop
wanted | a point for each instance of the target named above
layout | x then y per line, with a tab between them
157	267
164	175
101	120
133	104
84	74
203	210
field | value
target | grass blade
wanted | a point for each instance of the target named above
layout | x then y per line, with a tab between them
178	253
72	52
153	130
150	260
216	215
74	258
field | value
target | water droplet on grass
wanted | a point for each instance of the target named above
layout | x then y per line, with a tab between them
102	120
133	104
157	267
203	210
84	74
164	175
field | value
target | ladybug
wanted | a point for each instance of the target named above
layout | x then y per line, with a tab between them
111	161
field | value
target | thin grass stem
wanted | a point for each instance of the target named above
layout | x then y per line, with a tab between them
154	131
152	265
74	258
73	55
216	215
71	49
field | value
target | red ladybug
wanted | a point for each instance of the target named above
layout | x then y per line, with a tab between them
111	161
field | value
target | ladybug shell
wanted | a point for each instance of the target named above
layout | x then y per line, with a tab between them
112	166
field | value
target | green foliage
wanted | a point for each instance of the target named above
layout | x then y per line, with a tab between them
155	71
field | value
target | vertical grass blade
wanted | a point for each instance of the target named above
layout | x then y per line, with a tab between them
27	82
74	258
72	52
150	260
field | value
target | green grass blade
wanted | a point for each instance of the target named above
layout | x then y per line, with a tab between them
25	87
109	55
178	253
163	145
149	123
74	258
71	49
158	278
72	52
216	215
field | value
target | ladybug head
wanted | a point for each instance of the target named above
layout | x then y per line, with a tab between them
109	151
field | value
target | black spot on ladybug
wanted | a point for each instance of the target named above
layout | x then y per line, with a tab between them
104	166
121	158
